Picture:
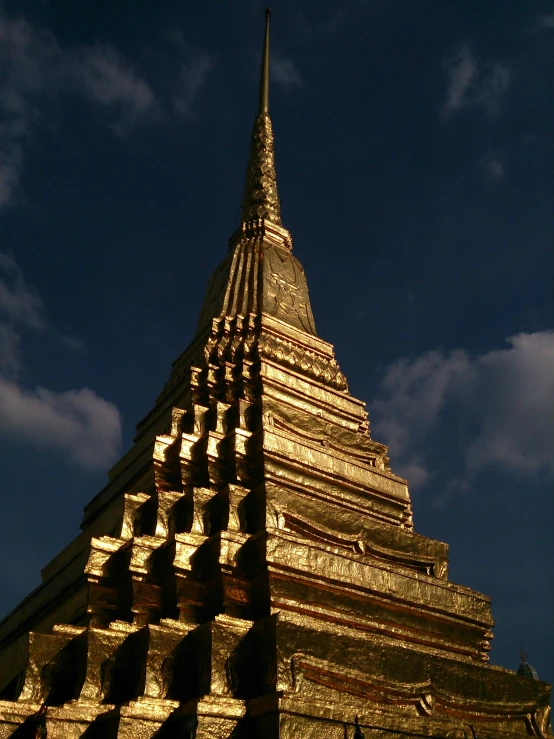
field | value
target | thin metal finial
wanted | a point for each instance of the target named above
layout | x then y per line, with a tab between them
523	655
264	78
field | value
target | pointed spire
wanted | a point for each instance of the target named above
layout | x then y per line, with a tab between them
261	199
264	77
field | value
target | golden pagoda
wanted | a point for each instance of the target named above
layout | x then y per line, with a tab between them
251	571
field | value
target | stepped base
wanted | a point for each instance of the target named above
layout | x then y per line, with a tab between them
217	717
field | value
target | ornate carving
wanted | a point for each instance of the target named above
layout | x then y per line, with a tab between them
425	697
285	289
261	199
302	360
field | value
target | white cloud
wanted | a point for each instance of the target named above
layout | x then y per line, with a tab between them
77	423
461	69
114	85
515	404
473	84
285	73
495	410
36	72
25	55
413	394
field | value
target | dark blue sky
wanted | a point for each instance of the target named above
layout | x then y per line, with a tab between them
415	162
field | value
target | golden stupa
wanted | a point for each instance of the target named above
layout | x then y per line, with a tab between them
251	570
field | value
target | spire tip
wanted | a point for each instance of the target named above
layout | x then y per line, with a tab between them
264	82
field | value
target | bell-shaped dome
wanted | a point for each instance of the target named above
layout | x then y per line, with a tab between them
525	669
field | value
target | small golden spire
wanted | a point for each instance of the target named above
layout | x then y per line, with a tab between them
260	198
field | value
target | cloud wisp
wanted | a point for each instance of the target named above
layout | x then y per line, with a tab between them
80	425
311	31
494	169
473	84
112	84
493	411
285	73
192	70
37	73
20	309
545	22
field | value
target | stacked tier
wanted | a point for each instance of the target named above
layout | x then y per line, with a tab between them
251	569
